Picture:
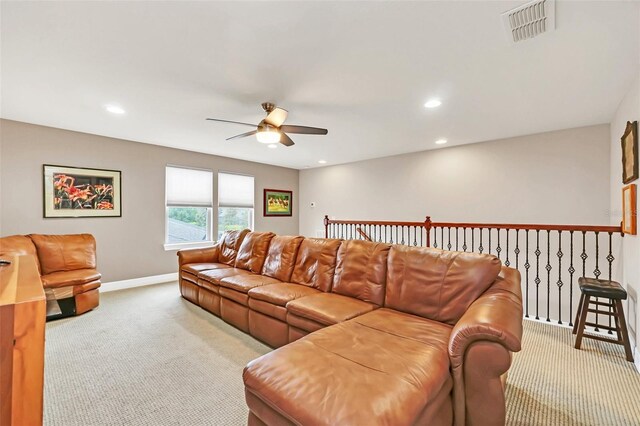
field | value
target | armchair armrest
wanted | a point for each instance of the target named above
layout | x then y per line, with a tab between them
199	255
480	349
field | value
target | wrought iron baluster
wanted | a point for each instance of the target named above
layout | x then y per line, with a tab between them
435	237
498	249
537	280
597	273
548	268
457	238
559	282
415	237
517	250
449	238
402	234
489	240
610	259
527	265
506	263
473	239
464	238
480	248
572	270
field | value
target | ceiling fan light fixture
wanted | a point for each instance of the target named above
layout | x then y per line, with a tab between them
268	136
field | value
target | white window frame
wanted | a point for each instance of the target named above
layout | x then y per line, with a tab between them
210	211
217	212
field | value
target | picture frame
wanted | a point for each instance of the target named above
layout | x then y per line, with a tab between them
629	210
74	192
629	143
277	203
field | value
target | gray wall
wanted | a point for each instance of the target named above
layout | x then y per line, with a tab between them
130	246
555	177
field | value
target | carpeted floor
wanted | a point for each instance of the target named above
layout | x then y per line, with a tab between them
148	357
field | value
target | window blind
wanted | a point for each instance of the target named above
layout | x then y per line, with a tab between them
189	187
235	190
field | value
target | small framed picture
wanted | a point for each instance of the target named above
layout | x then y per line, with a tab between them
630	152
81	192
278	202
629	210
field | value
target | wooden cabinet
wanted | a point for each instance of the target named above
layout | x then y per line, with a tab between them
22	325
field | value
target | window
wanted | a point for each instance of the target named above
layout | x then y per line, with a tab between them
235	202
189	204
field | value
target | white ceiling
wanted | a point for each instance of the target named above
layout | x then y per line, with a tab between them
362	70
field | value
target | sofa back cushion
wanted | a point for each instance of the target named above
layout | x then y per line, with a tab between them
436	284
361	270
65	252
253	251
316	263
281	257
18	245
229	245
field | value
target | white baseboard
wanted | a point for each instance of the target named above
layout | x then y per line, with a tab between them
636	358
139	282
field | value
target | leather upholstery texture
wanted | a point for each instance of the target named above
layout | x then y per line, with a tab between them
361	270
65	252
366	333
328	308
19	245
200	255
67	266
230	245
316	263
253	251
437	284
281	257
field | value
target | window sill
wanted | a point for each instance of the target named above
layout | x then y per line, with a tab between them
179	246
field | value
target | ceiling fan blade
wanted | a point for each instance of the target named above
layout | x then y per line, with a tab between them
234	122
243	135
276	117
285	140
303	130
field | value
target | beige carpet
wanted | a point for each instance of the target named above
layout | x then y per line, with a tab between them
148	357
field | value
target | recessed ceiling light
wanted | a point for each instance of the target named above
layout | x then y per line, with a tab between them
441	141
272	146
433	103
114	109
322	161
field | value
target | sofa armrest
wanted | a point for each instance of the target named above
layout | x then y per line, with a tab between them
199	255
492	324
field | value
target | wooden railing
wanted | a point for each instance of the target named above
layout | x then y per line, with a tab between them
550	258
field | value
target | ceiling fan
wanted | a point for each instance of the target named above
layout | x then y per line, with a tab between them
272	129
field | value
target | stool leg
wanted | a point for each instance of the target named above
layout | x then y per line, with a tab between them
617	320
583	320
575	323
623	330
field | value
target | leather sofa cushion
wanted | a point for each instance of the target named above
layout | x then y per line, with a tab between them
364	370
19	245
208	285
229	246
328	308
70	278
253	251
282	293
244	283
196	268
65	252
361	270
281	257
436	284
82	288
274	311
215	275
316	263
236	296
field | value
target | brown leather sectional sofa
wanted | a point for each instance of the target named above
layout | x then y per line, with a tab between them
67	266
368	333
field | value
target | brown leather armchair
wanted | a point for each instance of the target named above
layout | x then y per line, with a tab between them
367	333
67	266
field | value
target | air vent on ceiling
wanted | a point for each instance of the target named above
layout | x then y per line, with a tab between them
529	20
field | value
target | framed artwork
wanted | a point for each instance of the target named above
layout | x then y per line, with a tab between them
630	152
81	192
278	202
629	210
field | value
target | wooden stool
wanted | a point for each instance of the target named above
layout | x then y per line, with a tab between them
592	288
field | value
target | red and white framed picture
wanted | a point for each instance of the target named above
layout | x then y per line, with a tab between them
278	202
629	210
